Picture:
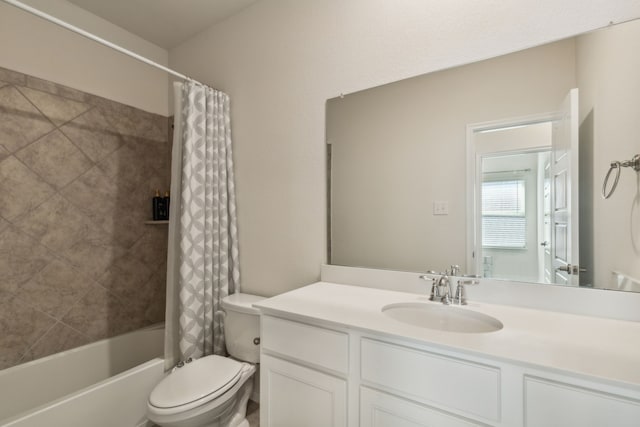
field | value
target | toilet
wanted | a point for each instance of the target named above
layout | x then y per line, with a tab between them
213	391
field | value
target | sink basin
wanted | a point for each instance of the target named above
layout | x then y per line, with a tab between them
442	317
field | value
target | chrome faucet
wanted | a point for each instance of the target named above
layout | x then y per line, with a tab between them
440	286
445	282
435	290
441	289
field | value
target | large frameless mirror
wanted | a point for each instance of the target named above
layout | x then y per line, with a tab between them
497	166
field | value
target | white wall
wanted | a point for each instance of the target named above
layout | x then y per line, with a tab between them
33	46
608	67
280	60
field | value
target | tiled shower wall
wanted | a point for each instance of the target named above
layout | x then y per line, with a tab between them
77	262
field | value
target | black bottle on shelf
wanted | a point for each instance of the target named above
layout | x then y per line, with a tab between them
157	206
166	201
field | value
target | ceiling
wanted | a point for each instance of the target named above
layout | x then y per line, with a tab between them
165	23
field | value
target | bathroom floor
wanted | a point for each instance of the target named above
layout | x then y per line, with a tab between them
253	414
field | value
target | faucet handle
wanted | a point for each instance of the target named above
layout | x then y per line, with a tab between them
435	290
427	278
461	295
455	270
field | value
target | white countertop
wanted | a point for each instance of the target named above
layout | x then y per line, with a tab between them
606	349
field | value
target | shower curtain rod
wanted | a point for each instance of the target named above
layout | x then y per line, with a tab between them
97	39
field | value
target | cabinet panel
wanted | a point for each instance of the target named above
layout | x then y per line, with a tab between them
379	409
450	383
318	346
555	404
295	396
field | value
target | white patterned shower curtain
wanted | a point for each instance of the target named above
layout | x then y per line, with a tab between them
203	240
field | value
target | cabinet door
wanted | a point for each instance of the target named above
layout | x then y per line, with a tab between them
379	409
554	404
296	396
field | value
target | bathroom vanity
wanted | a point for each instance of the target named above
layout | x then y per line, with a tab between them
339	355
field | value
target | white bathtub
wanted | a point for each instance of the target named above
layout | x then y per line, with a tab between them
105	383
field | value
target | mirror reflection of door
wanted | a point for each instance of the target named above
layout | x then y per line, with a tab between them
513	201
525	211
545	245
511	195
564	189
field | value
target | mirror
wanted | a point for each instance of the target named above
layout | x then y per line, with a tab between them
412	162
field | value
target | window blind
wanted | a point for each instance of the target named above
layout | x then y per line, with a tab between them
503	214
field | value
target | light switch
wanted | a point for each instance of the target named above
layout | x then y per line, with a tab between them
440	207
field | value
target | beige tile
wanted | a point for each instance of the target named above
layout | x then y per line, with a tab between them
126	276
4	153
91	314
95	194
21	327
126	318
131	164
12	77
145	302
56	224
93	134
100	314
93	254
55	159
54	289
109	105
21	258
58	109
56	89
20	122
112	205
131	226
155	310
59	338
21	189
151	249
3	224
134	124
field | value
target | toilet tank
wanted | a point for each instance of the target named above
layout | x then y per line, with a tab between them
242	326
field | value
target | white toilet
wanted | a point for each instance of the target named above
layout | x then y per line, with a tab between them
213	391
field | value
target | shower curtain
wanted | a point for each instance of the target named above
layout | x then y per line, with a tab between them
203	257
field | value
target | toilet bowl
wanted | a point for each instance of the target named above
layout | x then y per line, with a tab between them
213	391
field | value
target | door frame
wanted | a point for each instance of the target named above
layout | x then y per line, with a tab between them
473	165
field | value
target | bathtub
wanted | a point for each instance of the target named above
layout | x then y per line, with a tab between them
105	383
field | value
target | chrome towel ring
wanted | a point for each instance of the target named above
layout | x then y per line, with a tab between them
617	166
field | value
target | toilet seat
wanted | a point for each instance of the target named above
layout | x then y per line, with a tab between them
195	384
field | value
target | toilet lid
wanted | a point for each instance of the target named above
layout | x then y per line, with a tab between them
205	378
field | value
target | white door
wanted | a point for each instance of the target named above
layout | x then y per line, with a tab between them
564	203
296	396
547	264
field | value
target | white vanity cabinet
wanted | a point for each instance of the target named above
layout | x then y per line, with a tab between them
294	395
458	386
327	365
303	375
327	377
552	403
